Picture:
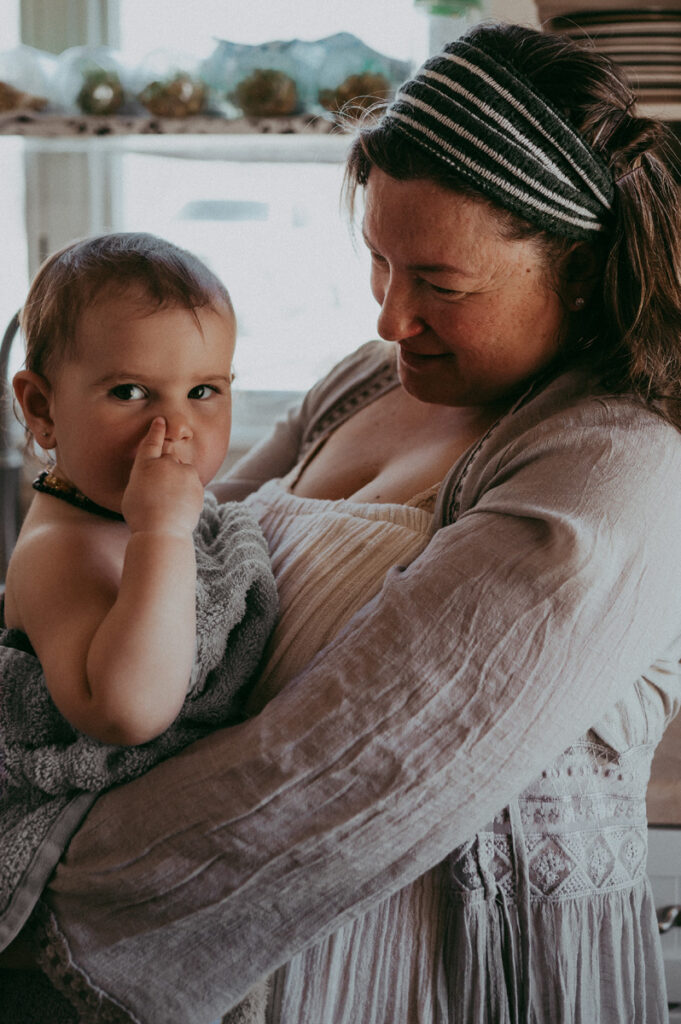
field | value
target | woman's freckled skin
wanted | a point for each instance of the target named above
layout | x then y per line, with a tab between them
469	334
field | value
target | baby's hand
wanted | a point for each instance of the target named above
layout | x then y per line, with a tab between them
163	495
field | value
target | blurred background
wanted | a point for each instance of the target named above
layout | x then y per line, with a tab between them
263	211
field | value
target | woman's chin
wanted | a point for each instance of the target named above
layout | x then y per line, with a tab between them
432	379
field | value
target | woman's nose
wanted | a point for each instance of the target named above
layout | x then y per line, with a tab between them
399	317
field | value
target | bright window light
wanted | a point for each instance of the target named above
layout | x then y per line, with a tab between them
9	18
388	26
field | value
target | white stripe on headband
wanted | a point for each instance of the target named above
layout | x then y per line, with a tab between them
437	145
590	221
494	115
522	109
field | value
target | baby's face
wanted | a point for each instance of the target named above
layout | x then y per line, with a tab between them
130	367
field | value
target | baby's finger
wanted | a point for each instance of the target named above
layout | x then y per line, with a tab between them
151	445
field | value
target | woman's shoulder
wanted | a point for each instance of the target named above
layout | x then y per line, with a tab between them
576	400
619	434
361	362
571	434
354	381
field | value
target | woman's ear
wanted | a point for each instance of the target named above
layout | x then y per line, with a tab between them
33	393
579	275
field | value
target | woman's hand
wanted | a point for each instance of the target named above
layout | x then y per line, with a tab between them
164	494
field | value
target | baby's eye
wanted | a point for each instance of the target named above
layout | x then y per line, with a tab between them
128	392
202	391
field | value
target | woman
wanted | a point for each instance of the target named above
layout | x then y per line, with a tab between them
441	819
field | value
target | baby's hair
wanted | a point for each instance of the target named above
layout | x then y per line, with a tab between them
158	272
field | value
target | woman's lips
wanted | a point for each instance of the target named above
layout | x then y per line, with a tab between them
421	360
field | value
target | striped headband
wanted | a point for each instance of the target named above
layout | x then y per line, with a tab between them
485	120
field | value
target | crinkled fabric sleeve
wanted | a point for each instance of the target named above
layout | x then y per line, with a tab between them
472	669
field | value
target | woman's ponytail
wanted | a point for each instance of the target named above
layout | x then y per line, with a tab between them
642	271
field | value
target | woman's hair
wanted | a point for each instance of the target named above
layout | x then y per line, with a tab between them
154	271
630	332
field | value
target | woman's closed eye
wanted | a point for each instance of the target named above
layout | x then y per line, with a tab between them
439	290
128	392
380	263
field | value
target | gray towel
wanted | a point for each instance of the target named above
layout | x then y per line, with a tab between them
50	774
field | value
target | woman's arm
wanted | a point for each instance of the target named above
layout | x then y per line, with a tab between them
471	671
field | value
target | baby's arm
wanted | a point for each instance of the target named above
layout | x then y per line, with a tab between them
117	660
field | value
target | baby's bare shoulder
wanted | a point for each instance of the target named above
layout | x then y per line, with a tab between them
61	561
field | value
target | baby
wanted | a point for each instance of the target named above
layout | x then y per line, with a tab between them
136	607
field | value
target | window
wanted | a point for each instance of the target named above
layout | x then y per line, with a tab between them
275	234
389	26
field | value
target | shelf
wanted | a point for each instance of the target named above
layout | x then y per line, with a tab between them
301	139
45	125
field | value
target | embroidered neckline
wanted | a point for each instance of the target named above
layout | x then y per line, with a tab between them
48	483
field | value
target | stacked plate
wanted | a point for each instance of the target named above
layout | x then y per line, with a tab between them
645	40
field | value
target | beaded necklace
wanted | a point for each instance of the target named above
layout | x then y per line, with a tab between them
48	483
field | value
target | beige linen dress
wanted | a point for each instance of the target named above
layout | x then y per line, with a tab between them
467	942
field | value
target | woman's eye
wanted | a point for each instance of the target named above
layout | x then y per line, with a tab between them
202	391
443	291
128	392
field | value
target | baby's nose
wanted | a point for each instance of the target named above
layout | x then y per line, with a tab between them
178	427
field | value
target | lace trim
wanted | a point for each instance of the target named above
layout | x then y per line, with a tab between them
560	867
348	404
54	959
582	825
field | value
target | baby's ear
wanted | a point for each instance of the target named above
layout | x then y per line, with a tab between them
33	394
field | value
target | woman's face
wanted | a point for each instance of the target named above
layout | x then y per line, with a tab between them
474	315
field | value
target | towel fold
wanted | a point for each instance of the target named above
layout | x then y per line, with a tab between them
51	774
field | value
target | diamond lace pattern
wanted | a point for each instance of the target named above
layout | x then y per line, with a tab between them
583	827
